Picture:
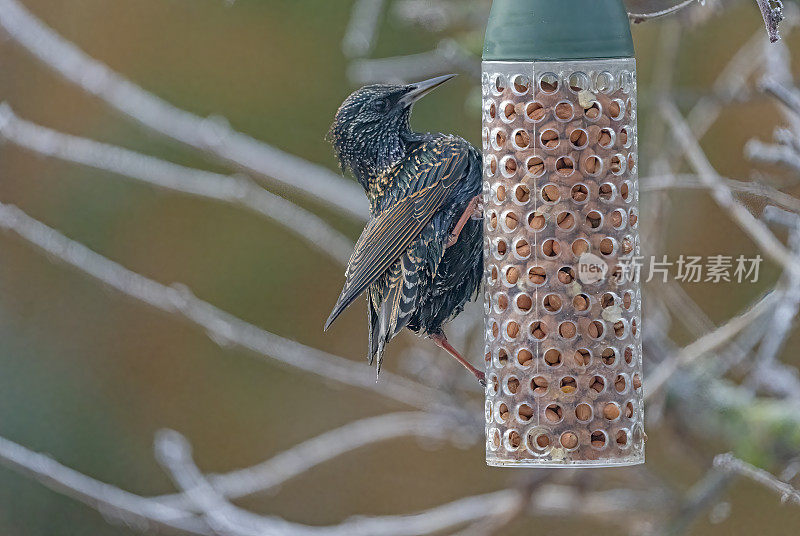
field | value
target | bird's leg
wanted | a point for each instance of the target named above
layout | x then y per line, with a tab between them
472	210
441	341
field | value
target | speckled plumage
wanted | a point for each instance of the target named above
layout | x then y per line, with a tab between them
418	186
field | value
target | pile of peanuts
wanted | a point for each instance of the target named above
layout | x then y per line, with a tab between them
563	344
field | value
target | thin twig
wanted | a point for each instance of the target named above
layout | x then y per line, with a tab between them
446	57
788	96
698	499
174	452
667	181
769	153
359	38
707	343
111	501
205	134
772	13
766	370
751	225
222	327
496	524
641	17
175	455
729	84
325	447
729	462
235	189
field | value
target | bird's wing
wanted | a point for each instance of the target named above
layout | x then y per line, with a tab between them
386	237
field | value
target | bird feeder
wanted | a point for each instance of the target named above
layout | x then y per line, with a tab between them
563	312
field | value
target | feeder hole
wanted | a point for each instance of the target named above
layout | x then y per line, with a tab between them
579	193
539	385
568	385
537	275
551	248
552	357
582	357
566	275
535	111
580	302
535	166
538	330
611	411
569	440
552	303
597	384
553	413
567	330
513	385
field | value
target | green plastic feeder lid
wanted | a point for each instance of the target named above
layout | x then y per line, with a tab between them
521	30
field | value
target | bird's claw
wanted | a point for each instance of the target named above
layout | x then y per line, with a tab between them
477	212
481	378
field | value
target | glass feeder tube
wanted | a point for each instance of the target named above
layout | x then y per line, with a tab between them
562	303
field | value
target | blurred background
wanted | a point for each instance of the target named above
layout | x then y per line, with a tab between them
88	375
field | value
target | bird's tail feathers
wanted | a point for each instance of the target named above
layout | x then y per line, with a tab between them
340	306
396	308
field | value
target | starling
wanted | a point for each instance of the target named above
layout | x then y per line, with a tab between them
420	256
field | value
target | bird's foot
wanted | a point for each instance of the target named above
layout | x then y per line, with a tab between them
473	208
481	378
452	240
477	212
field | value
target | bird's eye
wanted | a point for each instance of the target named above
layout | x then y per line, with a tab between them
380	105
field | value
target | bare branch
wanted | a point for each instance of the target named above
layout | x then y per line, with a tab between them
707	343
111	501
436	15
175	455
767	371
636	18
359	38
753	227
698	499
325	447
692	181
222	327
174	452
143	513
446	57
496	524
772	13
235	189
729	84
789	97
205	134
769	153
728	462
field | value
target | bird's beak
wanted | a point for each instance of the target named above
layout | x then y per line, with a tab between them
420	89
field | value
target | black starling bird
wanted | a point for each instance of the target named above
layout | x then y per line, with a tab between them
420	255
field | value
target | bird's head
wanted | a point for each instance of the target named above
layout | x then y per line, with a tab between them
371	126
